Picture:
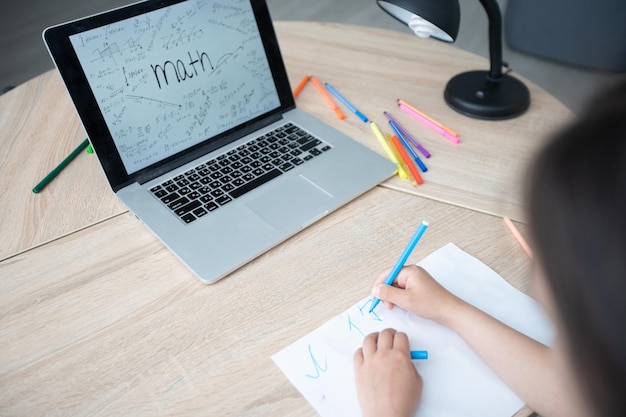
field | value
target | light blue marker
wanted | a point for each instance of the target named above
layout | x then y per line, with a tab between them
419	354
402	138
346	102
402	260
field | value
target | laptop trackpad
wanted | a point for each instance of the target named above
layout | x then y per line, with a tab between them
294	201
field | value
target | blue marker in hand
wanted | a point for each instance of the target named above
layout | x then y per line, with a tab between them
402	260
419	354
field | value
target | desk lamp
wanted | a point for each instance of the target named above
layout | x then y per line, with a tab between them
491	95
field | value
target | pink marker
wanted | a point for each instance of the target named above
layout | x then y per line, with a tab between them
428	123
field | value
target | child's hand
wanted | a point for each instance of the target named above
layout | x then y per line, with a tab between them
386	380
416	291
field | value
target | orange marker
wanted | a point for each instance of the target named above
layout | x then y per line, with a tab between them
301	85
401	165
407	159
329	100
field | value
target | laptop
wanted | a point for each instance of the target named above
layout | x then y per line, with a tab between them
188	107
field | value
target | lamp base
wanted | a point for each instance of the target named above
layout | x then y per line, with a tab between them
476	95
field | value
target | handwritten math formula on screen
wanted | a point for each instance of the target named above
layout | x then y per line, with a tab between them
171	78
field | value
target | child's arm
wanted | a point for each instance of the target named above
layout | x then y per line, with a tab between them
528	367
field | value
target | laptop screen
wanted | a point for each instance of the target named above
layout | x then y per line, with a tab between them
170	78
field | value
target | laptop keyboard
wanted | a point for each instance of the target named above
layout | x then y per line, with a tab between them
220	180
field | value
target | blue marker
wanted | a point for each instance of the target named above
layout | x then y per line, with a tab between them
402	138
407	135
402	260
419	354
346	102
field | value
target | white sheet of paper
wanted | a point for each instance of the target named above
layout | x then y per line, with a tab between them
457	383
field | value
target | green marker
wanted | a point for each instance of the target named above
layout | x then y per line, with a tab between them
59	168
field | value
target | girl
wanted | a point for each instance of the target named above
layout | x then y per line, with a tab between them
577	219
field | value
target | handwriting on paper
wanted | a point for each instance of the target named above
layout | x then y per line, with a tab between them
456	381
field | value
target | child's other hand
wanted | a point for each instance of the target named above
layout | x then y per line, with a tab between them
386	380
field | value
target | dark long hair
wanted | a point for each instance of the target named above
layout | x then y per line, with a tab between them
577	214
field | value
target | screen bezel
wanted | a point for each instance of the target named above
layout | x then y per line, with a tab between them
57	39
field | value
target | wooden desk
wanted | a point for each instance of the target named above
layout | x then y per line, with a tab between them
98	318
107	322
371	67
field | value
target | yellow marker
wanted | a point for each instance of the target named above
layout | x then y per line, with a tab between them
383	143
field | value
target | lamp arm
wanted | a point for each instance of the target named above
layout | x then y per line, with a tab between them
495	37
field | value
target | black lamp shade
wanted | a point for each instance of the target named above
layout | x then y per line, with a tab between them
445	14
